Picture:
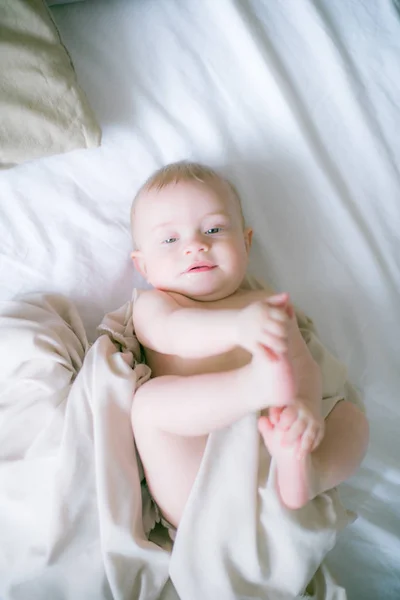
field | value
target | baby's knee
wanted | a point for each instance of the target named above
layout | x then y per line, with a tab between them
347	416
140	407
345	410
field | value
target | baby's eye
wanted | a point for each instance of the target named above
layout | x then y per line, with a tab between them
170	240
213	230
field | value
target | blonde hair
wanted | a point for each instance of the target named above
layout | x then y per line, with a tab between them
184	171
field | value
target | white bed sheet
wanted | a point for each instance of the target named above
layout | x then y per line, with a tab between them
298	103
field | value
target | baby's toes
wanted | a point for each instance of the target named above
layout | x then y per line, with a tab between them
310	439
319	436
291	436
265	426
266	430
274	414
288	417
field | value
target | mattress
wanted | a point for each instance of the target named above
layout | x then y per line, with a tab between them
297	102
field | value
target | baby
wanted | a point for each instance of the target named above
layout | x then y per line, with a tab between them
219	350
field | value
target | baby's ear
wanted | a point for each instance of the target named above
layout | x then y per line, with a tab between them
139	262
248	236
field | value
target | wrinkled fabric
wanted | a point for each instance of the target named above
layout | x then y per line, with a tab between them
72	513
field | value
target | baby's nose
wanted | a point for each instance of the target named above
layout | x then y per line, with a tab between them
197	245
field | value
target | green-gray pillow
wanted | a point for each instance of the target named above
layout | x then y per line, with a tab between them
54	2
42	109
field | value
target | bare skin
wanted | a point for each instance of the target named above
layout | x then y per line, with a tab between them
218	352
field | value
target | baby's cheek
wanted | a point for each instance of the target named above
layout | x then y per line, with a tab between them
157	273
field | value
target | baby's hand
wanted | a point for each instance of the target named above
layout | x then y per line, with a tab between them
295	427
265	324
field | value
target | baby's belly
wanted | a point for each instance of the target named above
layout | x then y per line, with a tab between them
167	364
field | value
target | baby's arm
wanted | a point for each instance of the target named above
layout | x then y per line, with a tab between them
161	324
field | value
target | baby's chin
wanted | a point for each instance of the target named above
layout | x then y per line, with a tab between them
202	292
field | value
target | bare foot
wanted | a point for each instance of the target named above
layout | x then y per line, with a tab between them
294	468
300	424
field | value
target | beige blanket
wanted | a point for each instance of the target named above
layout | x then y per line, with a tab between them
71	510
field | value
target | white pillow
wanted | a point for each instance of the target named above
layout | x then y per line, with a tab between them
42	109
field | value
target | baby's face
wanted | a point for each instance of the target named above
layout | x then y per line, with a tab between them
191	240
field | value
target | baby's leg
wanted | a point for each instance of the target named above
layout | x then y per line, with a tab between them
336	459
172	416
198	404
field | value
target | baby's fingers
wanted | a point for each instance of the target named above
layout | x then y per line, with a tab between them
282	301
278	299
277	315
277	328
276	344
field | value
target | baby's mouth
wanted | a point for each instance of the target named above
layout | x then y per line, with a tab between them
200	267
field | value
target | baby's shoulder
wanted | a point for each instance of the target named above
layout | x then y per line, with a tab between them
148	302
